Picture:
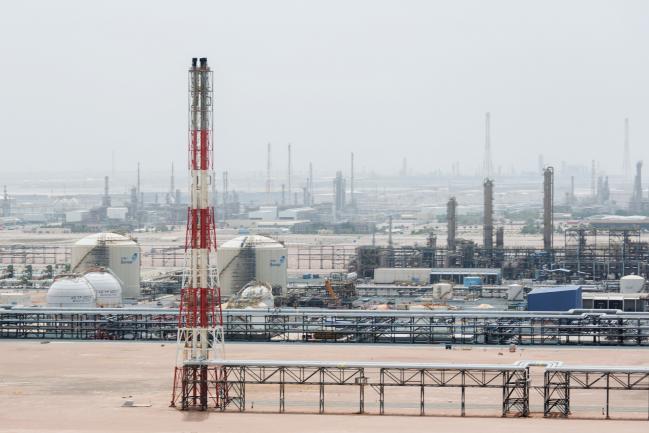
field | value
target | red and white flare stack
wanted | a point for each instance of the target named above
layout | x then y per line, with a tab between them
200	322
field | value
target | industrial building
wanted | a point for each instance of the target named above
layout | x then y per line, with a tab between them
557	298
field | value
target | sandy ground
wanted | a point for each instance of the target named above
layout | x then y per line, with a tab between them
81	386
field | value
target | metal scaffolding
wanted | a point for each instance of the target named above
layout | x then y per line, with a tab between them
237	375
242	380
340	326
560	380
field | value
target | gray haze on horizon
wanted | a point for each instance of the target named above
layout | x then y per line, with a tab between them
385	79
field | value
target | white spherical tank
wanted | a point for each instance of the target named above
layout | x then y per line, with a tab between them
108	289
71	292
631	284
118	253
247	258
253	295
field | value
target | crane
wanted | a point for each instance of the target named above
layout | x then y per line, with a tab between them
330	291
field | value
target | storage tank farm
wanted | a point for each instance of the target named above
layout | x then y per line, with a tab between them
113	251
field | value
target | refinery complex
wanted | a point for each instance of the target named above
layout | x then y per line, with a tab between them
217	297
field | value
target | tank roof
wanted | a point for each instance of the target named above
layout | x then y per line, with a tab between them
94	239
255	241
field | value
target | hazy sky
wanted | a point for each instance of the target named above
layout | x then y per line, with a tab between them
386	79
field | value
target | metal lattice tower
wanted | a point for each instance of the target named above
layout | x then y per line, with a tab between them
200	322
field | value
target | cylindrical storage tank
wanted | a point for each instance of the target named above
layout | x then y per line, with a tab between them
442	291
71	291
248	258
108	289
631	284
118	253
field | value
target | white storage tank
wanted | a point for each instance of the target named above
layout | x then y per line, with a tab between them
108	289
442	291
118	253
251	258
631	284
71	291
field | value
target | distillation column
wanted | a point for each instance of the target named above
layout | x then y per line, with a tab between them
548	208
488	223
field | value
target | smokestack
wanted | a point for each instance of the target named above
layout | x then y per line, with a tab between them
226	185
636	197
352	199
593	178
6	207
390	232
548	208
500	238
268	181
200	322
138	190
627	151
572	189
106	198
289	170
311	200
488	225
172	181
451	224
488	165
